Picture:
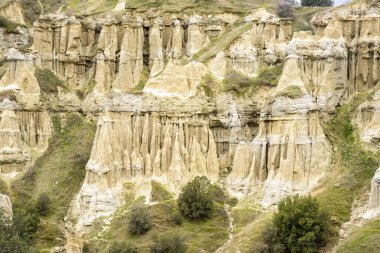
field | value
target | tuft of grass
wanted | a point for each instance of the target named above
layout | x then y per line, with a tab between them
143	79
160	193
292	92
48	81
59	172
8	25
365	239
209	85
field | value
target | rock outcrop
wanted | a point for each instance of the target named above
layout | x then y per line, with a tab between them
6	205
13	11
290	153
373	206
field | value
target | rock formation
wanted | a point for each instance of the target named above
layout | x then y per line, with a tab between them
373	206
13	11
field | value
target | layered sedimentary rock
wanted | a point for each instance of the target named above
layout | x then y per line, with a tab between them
19	79
65	45
358	24
373	206
13	11
368	120
177	80
261	44
24	135
290	153
135	148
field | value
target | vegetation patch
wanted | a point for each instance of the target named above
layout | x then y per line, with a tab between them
292	92
209	85
8	25
48	81
240	84
355	166
160	193
57	174
365	239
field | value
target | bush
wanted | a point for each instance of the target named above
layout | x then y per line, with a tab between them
177	218
8	25
43	203
324	3
86	248
270	242
19	234
301	225
195	201
285	9
122	247
140	221
48	81
170	242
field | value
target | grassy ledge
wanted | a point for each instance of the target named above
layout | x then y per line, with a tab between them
58	173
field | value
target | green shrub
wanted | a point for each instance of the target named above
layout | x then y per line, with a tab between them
43	203
48	81
122	247
269	241
292	92
302	226
140	221
195	201
170	242
177	218
10	26
19	234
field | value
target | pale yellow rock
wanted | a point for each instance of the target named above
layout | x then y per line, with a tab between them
13	11
176	80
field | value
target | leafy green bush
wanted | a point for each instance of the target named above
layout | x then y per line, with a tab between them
10	26
19	234
195	201
177	218
170	242
48	81
140	221
43	203
302	226
122	247
270	242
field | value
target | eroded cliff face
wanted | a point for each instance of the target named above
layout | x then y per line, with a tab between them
143	77
13	11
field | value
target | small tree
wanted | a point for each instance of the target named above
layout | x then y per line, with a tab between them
323	3
43	203
301	224
195	201
171	242
122	247
140	221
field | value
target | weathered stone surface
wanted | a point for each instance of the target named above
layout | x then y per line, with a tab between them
13	11
373	206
